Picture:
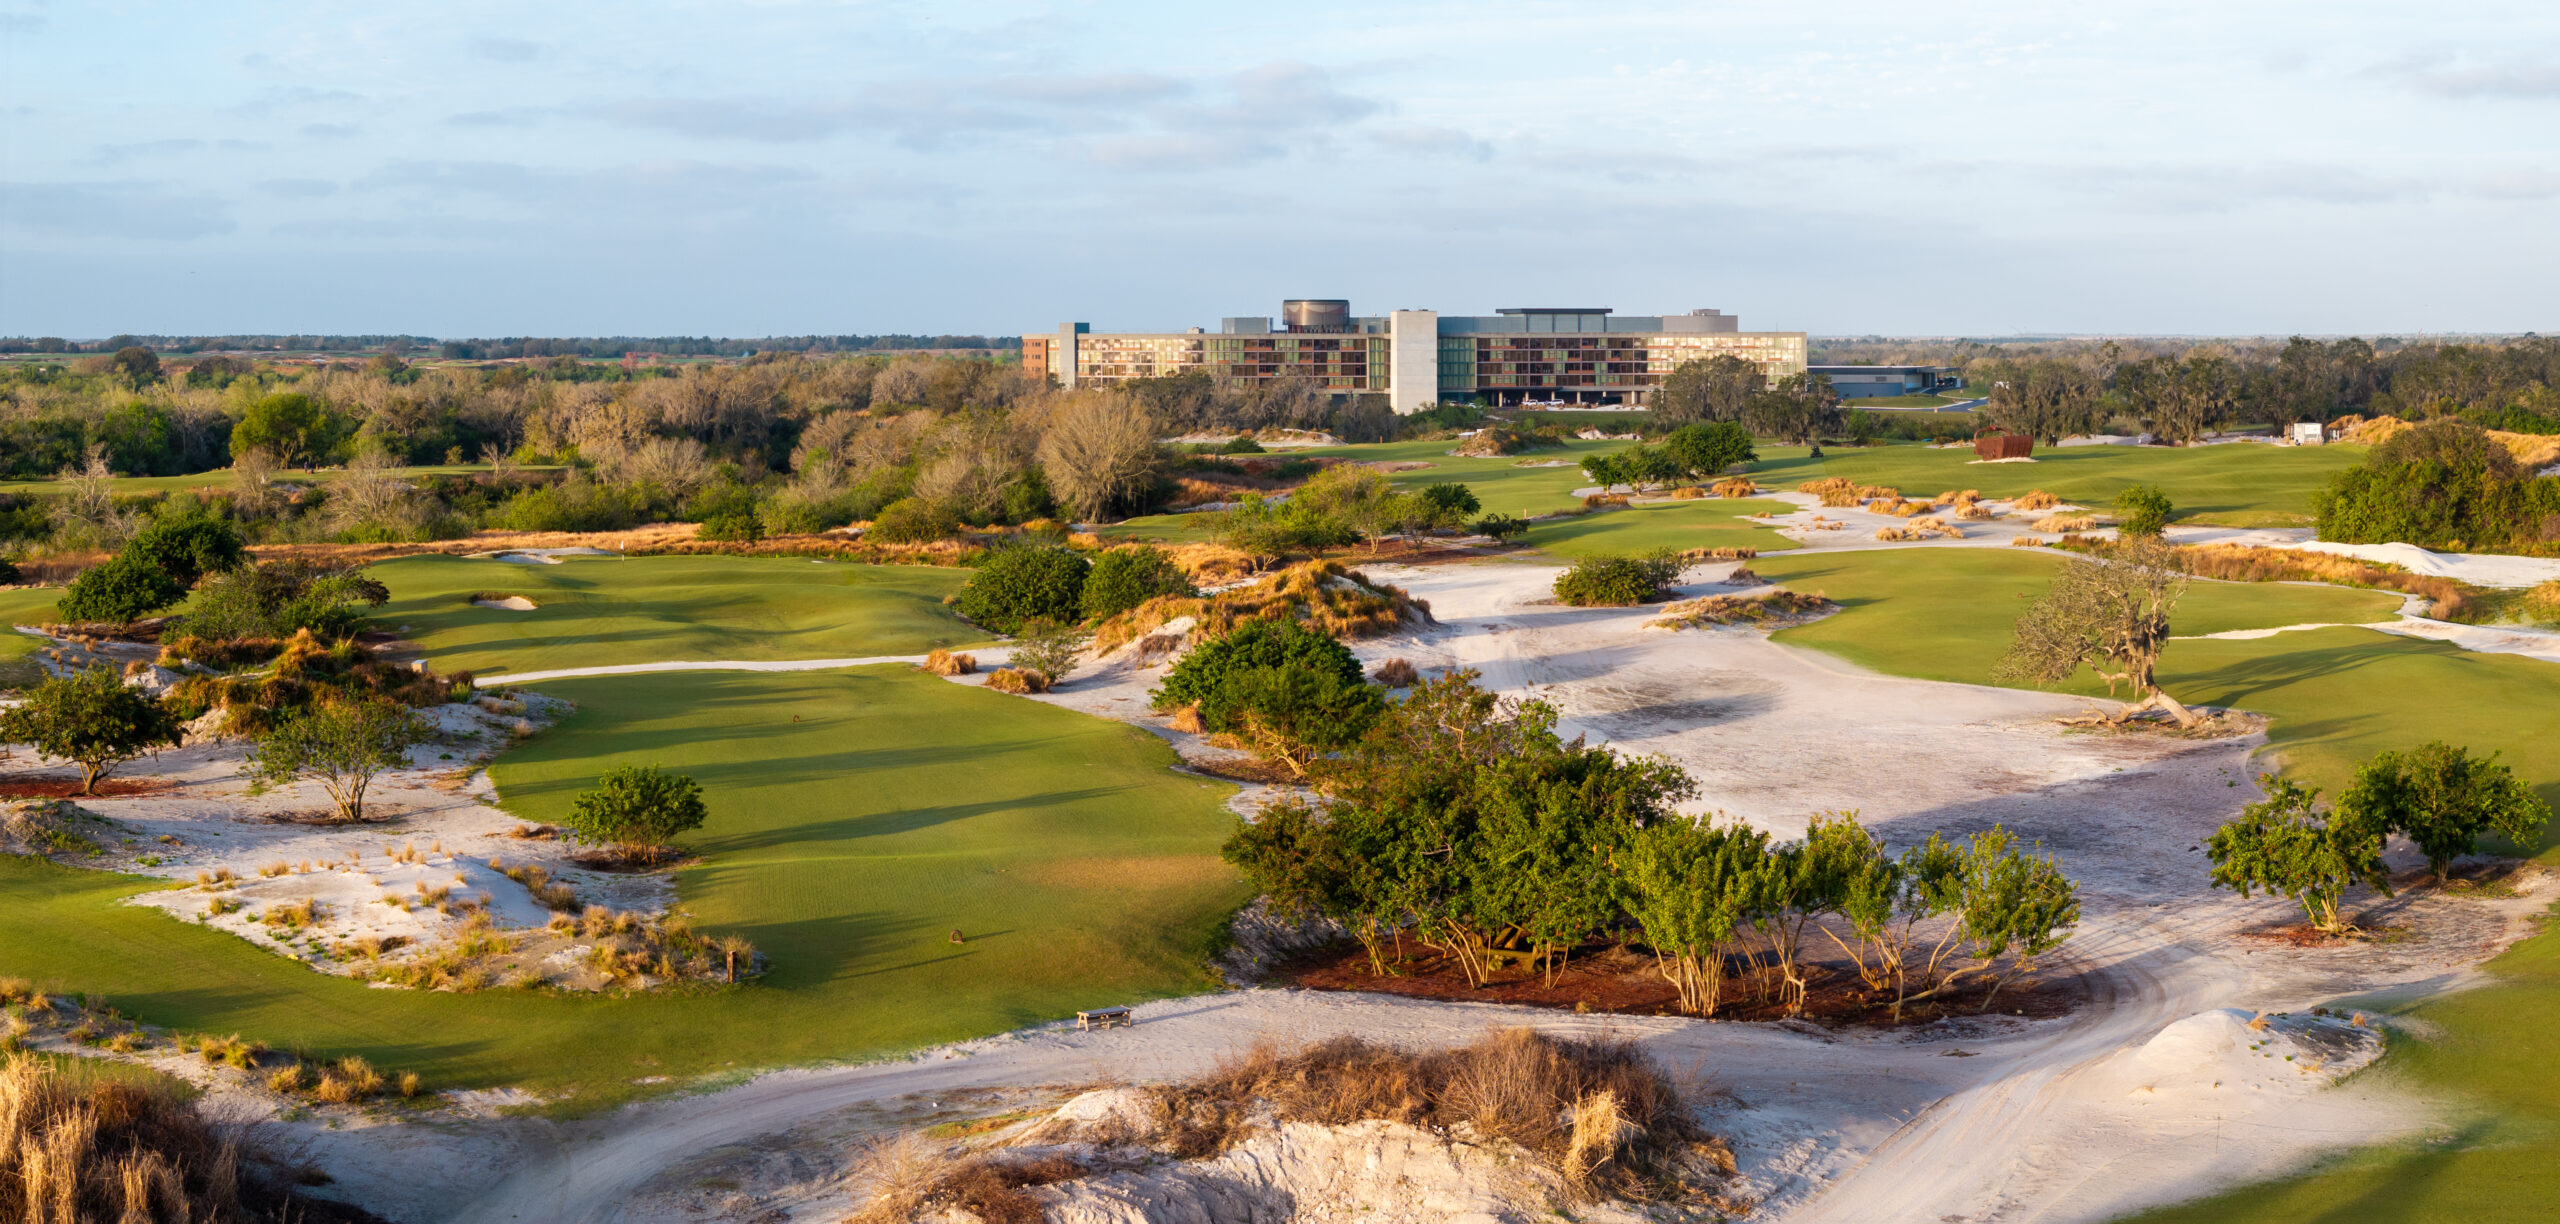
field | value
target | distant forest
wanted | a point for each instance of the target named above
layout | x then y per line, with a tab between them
501	347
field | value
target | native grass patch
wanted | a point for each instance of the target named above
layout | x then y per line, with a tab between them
1324	595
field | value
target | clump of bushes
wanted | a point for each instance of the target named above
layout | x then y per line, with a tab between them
1013	587
2143	510
638	810
944	663
1020	682
1835	492
1123	578
1326	595
913	520
1779	605
2444	484
1216	678
1604	581
2034	499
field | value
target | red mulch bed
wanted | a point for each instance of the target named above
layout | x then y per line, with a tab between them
69	788
1607	978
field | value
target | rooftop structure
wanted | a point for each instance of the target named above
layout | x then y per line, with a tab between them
1887	381
1520	355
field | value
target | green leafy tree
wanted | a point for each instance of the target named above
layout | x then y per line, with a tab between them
279	598
1293	715
2285	845
122	588
137	364
1501	528
292	426
2442	799
1709	447
2047	399
2143	510
2442	484
341	743
1013	587
1638	465
1800	410
1691	887
1124	578
190	548
2008	904
2110	615
639	809
92	719
1205	676
1450	503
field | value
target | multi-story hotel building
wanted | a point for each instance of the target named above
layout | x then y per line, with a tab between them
1418	357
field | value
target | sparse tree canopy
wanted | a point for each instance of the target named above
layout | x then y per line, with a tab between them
639	808
1707	389
342	743
2047	399
92	719
2442	799
2111	615
291	425
2287	846
1800	410
1100	454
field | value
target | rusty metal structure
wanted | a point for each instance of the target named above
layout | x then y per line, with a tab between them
1993	442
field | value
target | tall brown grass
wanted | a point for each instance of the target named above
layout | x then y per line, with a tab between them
2034	499
73	1149
1741	609
944	663
1835	492
1597	1111
1324	594
1921	529
2066	522
2447	599
1735	486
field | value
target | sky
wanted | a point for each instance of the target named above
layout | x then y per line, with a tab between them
774	167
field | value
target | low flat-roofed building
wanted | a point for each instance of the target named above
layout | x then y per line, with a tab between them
1535	355
1887	381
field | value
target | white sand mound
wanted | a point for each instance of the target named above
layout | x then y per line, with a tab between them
2218	1051
512	603
1375	1172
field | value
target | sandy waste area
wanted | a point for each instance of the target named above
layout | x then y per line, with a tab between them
2188	1066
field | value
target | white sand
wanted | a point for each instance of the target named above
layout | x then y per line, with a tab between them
512	603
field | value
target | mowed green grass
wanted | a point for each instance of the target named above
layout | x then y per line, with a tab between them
1709	522
2334	697
27	606
2488	1056
857	818
599	611
2233	485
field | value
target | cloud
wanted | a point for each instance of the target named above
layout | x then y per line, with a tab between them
1183	151
1296	93
295	96
21	23
1432	142
674	184
299	188
120	210
505	50
504	117
148	148
2442	76
2213	189
329	131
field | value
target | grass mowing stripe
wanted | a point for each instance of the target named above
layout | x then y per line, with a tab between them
2232	485
1713	522
857	818
596	611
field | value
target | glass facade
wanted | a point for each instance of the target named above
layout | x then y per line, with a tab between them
1346	363
1609	366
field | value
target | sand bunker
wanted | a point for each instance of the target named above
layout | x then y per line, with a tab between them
508	603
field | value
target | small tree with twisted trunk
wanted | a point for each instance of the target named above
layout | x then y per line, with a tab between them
92	719
341	743
2111	615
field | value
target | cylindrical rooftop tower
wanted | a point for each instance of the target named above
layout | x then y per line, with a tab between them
1316	314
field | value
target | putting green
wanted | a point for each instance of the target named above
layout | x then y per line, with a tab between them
858	817
1712	522
2235	485
598	611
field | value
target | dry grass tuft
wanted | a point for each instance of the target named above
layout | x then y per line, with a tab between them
1835	492
1900	508
2066	522
1780	606
1019	681
1694	555
75	1148
2034	499
1921	529
2542	603
1186	719
1324	594
2447	598
1975	510
1394	673
944	663
2025	542
1603	501
1688	493
1597	1111
1736	486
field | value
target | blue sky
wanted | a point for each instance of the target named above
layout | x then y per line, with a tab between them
768	166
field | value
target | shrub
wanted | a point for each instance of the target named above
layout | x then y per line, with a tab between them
279	599
8	571
1294	714
1500	527
1205	677
1706	448
1451	502
743	527
2442	799
91	719
1617	582
1735	486
2287	847
125	587
1049	649
189	548
638	808
1013	587
2444	484
1395	673
944	663
914	520
1123	578
343	743
2143	510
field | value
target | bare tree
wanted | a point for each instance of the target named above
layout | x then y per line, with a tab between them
87	514
1099	453
2046	398
2110	613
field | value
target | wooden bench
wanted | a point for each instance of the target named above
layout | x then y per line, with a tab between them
1103	1018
